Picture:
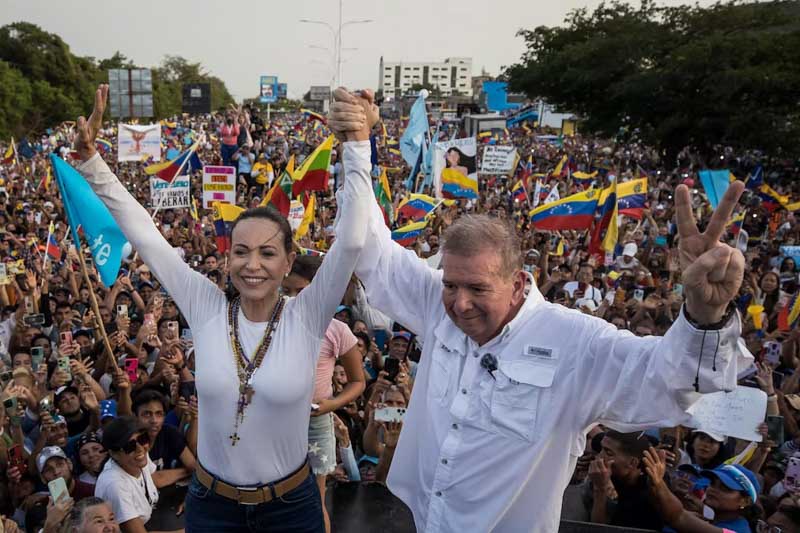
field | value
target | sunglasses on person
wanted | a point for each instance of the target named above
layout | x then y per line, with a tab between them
142	439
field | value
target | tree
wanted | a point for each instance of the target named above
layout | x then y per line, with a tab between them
726	74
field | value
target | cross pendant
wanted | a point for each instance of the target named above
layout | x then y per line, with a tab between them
246	393
234	439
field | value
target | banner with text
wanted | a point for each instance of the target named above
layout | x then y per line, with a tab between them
498	159
166	196
139	143
219	185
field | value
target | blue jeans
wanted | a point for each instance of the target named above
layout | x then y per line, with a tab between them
299	510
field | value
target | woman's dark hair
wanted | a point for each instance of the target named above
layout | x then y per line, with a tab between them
463	159
364	337
724	453
306	266
771	299
784	267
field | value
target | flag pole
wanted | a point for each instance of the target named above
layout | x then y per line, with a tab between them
96	307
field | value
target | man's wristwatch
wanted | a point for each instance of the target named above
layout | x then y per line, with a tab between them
716	325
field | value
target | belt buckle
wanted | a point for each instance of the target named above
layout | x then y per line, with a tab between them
240	491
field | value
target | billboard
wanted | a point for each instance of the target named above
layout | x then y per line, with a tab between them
196	98
282	88
319	93
130	92
269	90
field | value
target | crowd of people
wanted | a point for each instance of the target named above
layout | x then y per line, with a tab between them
91	439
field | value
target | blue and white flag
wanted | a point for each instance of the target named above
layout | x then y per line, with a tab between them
412	140
85	211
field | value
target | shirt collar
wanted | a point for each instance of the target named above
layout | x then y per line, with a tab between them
456	340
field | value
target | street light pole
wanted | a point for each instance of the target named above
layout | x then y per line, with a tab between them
339	49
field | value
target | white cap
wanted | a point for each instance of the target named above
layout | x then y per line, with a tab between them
48	453
586	302
716	436
630	249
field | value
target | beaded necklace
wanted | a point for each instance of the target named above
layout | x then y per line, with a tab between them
245	368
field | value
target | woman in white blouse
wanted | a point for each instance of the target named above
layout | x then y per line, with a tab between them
256	350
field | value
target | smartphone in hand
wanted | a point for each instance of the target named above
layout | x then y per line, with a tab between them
58	488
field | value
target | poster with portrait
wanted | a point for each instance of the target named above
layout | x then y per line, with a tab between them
454	168
139	143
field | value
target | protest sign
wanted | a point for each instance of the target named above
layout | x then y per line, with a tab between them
498	159
139	143
296	212
166	196
454	168
735	414
791	251
219	185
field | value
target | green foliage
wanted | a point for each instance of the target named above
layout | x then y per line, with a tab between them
729	73
42	83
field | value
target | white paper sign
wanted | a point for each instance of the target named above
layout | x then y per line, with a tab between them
219	185
735	414
498	159
296	212
139	143
166	196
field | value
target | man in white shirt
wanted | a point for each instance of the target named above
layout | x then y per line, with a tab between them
583	288
493	430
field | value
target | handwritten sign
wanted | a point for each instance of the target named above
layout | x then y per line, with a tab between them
169	196
735	414
498	159
219	185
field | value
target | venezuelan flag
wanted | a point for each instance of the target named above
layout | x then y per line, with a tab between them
407	235
103	145
518	193
416	207
309	251
8	157
770	198
583	177
395	151
224	217
631	197
573	212
736	223
560	171
457	185
311	115
789	314
169	169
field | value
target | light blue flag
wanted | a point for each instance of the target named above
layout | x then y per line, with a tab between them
414	136
428	160
85	210
415	169
715	183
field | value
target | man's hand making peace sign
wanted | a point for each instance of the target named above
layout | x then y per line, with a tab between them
712	270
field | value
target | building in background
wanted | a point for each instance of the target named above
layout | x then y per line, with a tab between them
452	76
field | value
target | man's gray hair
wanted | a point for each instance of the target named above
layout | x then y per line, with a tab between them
78	511
473	234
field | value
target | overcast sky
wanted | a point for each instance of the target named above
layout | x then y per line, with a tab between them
239	40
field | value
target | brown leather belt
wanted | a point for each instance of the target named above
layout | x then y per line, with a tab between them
255	495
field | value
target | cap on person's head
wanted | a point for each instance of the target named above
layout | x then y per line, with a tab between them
793	400
736	477
533	252
61	391
716	436
47	453
630	249
119	432
368	459
87	438
402	335
144	283
108	409
343	308
692	469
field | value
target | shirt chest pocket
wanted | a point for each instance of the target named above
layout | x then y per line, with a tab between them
443	373
520	396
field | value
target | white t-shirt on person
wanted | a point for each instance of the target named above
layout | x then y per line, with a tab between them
130	497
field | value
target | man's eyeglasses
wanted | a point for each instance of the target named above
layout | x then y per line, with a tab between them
142	439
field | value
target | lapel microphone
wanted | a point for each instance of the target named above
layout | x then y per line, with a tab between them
489	362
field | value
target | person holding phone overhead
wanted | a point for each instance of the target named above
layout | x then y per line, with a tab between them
255	350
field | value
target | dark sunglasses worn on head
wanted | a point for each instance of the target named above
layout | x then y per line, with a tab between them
142	439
